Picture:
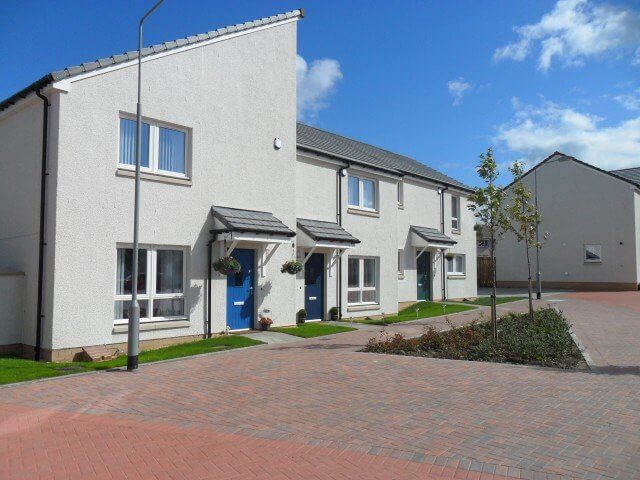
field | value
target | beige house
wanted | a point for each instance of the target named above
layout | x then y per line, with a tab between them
593	220
226	170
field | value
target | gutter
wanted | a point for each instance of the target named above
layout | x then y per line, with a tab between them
41	242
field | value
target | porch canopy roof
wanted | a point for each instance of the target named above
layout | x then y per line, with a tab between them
425	237
318	233
249	225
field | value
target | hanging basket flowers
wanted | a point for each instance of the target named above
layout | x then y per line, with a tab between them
291	267
449	256
227	265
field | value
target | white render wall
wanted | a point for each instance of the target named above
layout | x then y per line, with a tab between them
235	96
12	307
20	173
579	206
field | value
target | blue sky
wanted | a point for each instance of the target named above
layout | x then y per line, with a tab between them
438	81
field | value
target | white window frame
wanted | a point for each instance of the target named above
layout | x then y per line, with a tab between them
455	221
584	252
154	144
376	193
361	288
400	263
452	262
151	295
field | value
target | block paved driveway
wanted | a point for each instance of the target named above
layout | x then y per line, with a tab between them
320	409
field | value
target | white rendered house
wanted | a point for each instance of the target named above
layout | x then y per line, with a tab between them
592	217
226	171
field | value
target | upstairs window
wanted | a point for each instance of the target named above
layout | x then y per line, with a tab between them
400	193
455	213
164	149
362	193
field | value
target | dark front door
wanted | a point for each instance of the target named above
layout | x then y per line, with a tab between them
240	291
423	271
314	286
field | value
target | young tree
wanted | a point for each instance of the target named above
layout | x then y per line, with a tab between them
523	219
487	206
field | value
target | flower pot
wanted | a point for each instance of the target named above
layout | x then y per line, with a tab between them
264	327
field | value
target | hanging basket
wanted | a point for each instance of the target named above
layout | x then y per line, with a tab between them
227	265
449	256
291	267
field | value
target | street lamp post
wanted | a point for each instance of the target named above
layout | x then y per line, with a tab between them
134	310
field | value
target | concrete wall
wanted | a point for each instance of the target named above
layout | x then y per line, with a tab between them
235	96
12	308
579	206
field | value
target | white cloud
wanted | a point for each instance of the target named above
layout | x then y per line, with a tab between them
538	131
575	30
630	101
315	83
458	88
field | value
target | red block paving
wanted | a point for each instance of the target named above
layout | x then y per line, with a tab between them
320	409
47	444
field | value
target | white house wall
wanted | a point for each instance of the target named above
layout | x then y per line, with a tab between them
579	206
235	96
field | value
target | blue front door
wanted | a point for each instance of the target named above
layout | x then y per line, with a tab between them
423	268
314	286
240	291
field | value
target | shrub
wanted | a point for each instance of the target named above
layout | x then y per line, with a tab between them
545	341
334	312
227	265
292	267
301	316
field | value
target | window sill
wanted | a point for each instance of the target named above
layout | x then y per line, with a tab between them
153	326
456	231
401	276
363	307
456	276
363	212
401	206
154	177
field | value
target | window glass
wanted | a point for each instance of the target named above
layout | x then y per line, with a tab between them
456	265
400	261
353	296
368	194
354	191
354	272
169	271
171	152
369	272
168	307
124	271
122	308
369	296
128	143
455	213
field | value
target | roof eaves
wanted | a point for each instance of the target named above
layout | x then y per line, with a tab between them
120	58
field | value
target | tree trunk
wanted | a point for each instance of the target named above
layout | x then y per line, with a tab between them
494	313
526	243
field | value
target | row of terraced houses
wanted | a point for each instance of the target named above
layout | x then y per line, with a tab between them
227	170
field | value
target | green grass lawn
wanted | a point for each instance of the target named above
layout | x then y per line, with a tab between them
425	310
19	370
316	329
486	301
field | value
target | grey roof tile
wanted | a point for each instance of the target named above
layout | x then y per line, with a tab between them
238	220
321	141
432	235
631	174
103	62
325	231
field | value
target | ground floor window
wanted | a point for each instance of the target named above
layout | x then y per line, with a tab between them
456	265
363	280
161	280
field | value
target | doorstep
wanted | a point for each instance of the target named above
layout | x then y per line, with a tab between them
270	337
